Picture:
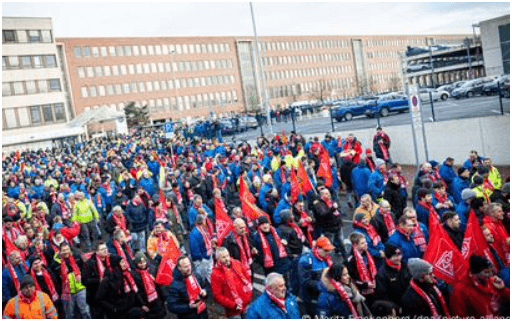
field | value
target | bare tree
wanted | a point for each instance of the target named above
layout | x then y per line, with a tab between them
394	83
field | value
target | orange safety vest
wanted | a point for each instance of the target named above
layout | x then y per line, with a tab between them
50	313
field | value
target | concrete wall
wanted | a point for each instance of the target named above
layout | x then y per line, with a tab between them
491	44
489	136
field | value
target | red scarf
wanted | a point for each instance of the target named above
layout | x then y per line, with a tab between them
229	273
178	195
129	282
14	277
244	249
207	239
370	230
149	285
297	230
488	185
98	200
42	256
326	259
120	251
440	198
419	238
327	201
384	150
49	283
393	265
66	295
370	163
388	221
12	234
101	267
107	188
66	212
268	261
366	274
308	226
194	291
344	296
281	303
431	210
424	296
161	214
190	194
120	222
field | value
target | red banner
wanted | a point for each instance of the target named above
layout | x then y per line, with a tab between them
324	170
223	223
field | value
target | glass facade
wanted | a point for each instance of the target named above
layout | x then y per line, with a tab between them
504	32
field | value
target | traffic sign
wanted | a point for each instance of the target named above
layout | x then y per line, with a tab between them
169	127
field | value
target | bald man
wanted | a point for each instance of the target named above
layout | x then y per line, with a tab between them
239	244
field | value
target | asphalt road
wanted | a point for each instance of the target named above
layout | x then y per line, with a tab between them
443	110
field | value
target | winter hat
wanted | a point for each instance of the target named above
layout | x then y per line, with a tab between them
379	162
418	267
359	216
138	257
479	263
26	280
478	180
263	219
433	163
467	193
368	151
285	214
391	250
32	259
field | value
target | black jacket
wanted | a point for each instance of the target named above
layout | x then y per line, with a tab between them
391	284
178	300
413	305
325	217
380	226
456	236
395	199
232	246
281	265
287	233
157	308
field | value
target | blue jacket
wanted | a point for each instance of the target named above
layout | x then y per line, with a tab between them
197	246
423	214
360	177
261	198
282	205
148	185
467	163
409	249
137	216
192	214
37	191
178	300
330	304
373	249
456	188
8	289
447	173
441	211
461	210
264	308
376	184
13	192
309	270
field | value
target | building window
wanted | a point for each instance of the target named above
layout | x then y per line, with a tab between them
151	50
43	86
6	89
8	36
135	50
101	90
86	51
85	94
19	88
110	90
103	51
34	36
31	87
51	62
35	114
134	86
126	88
118	89
128	50
115	70
77	51
106	69
112	51
59	111
142	87
55	85
95	52
47	113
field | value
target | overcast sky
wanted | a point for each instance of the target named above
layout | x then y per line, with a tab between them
118	19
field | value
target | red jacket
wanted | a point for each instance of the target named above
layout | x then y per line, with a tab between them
499	232
468	300
221	289
356	146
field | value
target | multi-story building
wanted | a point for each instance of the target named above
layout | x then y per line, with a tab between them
35	103
495	35
196	76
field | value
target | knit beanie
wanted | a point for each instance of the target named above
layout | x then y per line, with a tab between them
26	280
391	250
418	267
138	257
478	263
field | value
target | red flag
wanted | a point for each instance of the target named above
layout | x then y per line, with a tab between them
303	179
433	220
162	200
324	170
169	259
474	239
245	194
446	259
251	211
223	223
294	186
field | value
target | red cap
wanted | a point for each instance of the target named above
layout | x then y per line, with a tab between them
324	243
368	151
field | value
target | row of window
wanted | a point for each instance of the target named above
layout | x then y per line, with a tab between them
28	62
201	100
312	86
146	68
149	50
280	60
33	116
308	72
384	54
382	78
156	85
30	87
27	36
383	65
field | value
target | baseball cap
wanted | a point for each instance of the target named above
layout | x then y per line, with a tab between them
324	243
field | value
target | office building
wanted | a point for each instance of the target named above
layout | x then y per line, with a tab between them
495	34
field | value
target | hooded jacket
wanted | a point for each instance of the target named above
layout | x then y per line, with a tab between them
330	303
264	308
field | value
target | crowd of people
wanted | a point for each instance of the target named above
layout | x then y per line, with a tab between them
141	226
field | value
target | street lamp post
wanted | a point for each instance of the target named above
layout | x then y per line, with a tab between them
269	122
173	76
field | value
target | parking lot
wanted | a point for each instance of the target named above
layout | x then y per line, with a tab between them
479	106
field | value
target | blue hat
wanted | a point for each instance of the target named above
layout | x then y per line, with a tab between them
433	163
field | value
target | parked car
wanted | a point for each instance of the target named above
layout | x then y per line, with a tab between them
390	103
246	122
491	88
417	67
226	126
437	94
469	89
347	110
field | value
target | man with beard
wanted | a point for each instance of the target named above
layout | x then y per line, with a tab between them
492	255
45	281
11	275
120	246
95	269
451	224
272	254
384	221
151	294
